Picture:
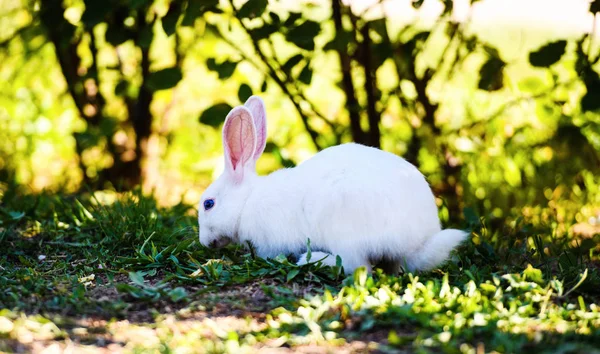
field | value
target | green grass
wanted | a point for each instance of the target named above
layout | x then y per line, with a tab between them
121	273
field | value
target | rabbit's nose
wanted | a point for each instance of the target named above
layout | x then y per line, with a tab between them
220	242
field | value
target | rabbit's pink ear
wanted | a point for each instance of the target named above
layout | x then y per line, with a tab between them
256	106
239	140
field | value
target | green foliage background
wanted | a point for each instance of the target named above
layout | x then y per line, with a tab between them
508	130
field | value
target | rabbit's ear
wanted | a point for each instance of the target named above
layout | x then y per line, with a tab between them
239	141
256	106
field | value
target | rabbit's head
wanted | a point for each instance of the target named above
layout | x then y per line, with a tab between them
221	205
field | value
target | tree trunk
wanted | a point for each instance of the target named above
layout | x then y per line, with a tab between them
351	102
141	119
87	98
373	135
84	87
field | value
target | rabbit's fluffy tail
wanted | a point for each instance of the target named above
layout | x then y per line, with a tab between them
436	250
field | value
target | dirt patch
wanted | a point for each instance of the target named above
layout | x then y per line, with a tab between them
107	291
256	296
253	299
117	322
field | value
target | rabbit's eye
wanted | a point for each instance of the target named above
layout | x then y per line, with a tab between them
208	204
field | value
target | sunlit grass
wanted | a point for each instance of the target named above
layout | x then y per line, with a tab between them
105	272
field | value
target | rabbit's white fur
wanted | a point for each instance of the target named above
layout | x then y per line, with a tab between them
358	202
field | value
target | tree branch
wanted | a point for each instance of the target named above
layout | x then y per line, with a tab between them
374	135
454	34
19	32
351	102
288	80
273	74
516	101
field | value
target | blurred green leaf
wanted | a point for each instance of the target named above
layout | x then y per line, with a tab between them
546	111
292	274
252	9
178	294
303	36
164	79
306	74
415	44
95	12
379	26
169	22
116	35
595	6
291	63
87	139
224	69
16	215
129	289
215	115
417	4
244	92
196	8
548	54
531	84
471	216
275	20
292	18
448	6
263	31
491	51
591	100
586	245
340	42
121	88
109	126
565	260
135	4
192	12
512	173
533	274
270	147
145	37
470	43
491	75
380	52
137	278
398	341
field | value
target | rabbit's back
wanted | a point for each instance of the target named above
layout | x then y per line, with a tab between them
367	200
360	159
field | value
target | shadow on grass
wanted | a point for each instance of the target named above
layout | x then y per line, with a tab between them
120	272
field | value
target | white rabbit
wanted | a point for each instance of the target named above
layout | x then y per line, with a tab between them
361	203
